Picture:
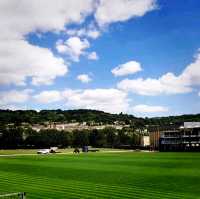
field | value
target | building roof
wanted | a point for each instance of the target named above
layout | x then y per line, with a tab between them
191	125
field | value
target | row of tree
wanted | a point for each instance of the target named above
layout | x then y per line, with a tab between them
17	137
81	115
90	116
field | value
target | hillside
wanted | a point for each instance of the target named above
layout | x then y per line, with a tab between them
81	115
89	116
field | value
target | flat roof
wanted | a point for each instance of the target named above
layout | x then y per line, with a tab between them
191	125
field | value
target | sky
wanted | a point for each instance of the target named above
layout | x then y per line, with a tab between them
139	57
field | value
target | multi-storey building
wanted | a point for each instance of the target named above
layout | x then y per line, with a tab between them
154	138
184	137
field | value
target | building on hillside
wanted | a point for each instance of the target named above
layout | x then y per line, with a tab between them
37	127
145	141
74	126
185	137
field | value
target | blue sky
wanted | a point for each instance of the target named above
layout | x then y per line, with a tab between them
134	56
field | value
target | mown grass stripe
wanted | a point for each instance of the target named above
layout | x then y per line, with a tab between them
127	187
96	185
141	176
82	188
114	188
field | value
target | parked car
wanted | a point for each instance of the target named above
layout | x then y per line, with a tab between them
44	151
53	149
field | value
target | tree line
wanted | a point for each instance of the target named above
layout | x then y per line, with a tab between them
80	115
16	137
90	116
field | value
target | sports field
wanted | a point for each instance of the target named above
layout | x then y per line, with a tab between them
103	175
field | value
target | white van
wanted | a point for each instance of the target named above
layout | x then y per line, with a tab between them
43	151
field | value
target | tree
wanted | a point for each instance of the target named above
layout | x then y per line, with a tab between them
124	138
111	138
12	138
97	138
80	138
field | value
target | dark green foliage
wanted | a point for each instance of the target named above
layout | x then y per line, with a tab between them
48	138
162	121
111	136
97	138
16	137
89	116
80	138
82	115
11	138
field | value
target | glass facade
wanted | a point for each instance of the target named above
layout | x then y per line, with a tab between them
183	139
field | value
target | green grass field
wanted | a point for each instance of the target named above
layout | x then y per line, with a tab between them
103	175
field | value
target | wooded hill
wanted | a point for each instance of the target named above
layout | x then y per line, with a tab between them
89	116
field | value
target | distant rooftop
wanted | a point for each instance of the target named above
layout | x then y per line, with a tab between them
191	124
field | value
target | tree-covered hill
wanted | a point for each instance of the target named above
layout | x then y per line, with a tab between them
81	115
89	116
172	119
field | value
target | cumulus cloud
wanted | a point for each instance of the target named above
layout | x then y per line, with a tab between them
48	96
19	59
108	100
91	32
191	74
110	11
93	56
74	47
94	34
142	108
128	68
19	18
14	107
166	84
14	97
84	78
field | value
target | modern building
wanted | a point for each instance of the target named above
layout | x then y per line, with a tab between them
154	138
185	137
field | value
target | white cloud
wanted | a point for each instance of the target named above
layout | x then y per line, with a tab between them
20	59
110	11
167	84
128	68
142	108
14	97
91	33
94	34
74	47
199	94
19	18
46	97
108	100
13	107
84	78
191	74
93	56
